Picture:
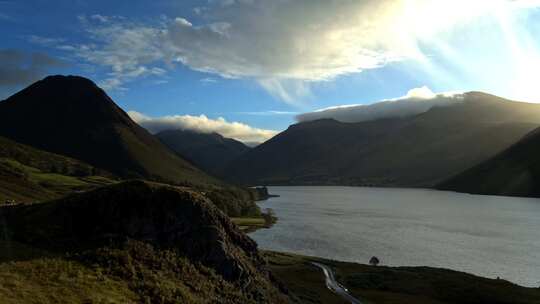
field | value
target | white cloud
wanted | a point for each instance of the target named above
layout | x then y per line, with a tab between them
203	124
418	100
208	80
283	45
525	3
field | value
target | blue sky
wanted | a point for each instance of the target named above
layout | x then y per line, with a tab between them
260	63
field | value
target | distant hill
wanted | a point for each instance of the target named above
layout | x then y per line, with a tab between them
71	116
30	175
420	150
208	151
513	172
147	242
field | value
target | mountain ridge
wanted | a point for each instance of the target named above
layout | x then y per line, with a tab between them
419	151
208	151
89	126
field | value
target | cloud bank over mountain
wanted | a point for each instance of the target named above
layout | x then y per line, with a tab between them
203	124
418	100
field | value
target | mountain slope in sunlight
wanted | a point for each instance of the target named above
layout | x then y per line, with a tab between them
514	172
71	116
420	150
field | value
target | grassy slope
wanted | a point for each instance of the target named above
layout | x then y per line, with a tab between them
133	273
58	280
180	249
400	285
30	175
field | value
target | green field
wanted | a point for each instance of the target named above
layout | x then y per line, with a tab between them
399	285
23	183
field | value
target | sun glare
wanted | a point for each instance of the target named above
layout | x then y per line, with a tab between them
436	23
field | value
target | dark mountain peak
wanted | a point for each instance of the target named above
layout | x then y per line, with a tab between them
68	78
60	84
67	96
72	116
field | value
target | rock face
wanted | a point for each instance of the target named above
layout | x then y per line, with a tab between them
72	116
162	215
170	219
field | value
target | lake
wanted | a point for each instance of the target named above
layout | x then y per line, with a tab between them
485	235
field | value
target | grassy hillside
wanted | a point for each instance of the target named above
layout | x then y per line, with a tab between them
421	150
394	285
130	242
29	175
514	172
32	175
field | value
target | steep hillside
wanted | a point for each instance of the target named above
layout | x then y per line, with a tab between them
208	151
154	243
513	172
420	150
71	116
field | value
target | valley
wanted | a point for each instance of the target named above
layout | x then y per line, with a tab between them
95	208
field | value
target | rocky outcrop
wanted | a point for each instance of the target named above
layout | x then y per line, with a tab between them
165	216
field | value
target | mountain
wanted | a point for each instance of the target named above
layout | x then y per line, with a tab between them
419	150
71	116
513	172
31	175
208	151
147	242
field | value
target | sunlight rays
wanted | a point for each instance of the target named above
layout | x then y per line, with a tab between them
465	35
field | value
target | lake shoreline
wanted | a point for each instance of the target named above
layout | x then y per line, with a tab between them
382	284
393	225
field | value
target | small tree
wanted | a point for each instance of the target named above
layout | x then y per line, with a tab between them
374	261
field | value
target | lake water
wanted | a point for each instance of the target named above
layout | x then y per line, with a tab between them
484	235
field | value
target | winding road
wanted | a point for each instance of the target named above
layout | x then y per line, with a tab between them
334	286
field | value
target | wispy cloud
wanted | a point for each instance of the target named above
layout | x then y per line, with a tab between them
284	46
208	80
203	124
418	100
45	41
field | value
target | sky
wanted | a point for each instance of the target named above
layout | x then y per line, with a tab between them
248	69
